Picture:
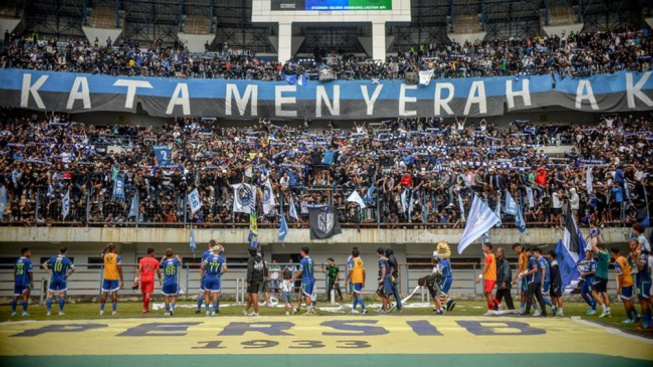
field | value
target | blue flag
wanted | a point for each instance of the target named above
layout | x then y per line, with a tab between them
481	219
163	154
283	229
568	269
290	78
119	188
192	243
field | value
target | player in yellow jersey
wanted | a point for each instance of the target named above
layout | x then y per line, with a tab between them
624	284
112	273
356	273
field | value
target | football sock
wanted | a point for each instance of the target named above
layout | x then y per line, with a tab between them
200	300
114	306
24	306
62	303
14	303
48	304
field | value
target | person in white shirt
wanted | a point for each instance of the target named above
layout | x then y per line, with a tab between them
640	236
556	209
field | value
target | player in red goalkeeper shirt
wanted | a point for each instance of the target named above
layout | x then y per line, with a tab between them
147	266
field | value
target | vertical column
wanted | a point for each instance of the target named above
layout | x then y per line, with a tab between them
284	49
378	41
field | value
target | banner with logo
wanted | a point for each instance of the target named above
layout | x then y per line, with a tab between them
244	195
335	100
119	187
323	222
163	154
194	201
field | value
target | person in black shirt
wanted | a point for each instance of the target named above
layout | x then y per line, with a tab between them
555	291
504	277
255	275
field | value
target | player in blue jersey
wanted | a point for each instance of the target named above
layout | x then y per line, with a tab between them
444	266
639	256
588	269
385	280
212	269
546	280
200	297
308	279
57	268
23	280
170	264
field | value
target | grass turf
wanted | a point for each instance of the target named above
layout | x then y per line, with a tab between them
89	311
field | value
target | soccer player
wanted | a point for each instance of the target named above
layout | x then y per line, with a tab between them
555	291
147	266
356	275
308	280
170	289
489	273
624	284
588	270
394	269
213	267
112	274
333	273
640	257
546	279
533	276
57	268
522	264
600	286
444	266
200	297
385	279
23	281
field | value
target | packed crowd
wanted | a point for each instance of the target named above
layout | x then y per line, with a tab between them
574	54
419	172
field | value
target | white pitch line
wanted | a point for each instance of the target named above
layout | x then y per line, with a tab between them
614	331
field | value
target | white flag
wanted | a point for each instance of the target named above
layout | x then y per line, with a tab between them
65	205
425	77
481	219
194	201
356	198
589	180
243	195
268	198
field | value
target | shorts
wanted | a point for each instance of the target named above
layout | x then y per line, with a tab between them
386	289
170	289
556	211
212	285
307	289
358	288
524	285
57	286
545	287
445	284
266	286
600	285
202	281
555	291
110	285
488	286
643	290
286	297
626	292
20	289
147	286
254	286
